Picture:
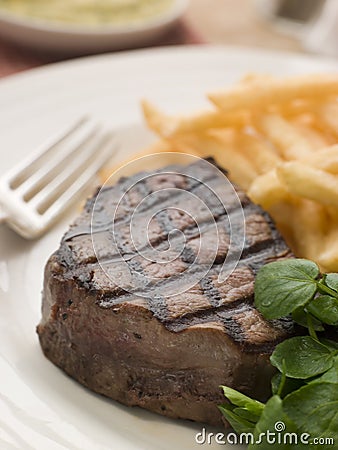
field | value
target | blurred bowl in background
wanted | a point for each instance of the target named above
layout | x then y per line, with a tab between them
289	16
80	39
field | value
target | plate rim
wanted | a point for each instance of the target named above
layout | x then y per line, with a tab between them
155	51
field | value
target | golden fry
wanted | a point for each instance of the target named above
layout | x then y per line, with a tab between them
168	126
157	121
308	182
218	145
261	93
289	141
267	190
241	169
329	115
309	223
257	150
328	255
318	140
326	159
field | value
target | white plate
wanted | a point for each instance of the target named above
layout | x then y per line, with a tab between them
81	39
40	407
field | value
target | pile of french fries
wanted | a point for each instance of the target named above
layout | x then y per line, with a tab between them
278	139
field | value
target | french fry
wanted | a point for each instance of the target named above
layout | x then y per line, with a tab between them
308	182
309	227
326	159
217	144
329	115
160	123
332	215
241	169
286	137
261	93
318	140
313	118
257	151
169	126
328	255
281	213
297	107
303	224
267	190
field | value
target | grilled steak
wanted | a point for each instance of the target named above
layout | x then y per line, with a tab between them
110	315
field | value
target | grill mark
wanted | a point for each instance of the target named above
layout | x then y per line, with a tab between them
229	318
253	262
188	255
210	291
233	328
165	223
190	232
158	306
205	316
106	224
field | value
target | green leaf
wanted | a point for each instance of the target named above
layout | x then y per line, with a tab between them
290	385
303	357
300	317
273	413
331	280
243	412
239	399
275	383
283	286
246	414
239	424
333	345
324	308
314	409
331	376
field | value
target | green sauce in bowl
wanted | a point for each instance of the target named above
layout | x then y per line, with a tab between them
89	12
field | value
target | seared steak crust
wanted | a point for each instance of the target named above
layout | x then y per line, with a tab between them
168	355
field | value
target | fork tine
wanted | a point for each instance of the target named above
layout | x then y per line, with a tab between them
58	159
71	193
74	167
15	175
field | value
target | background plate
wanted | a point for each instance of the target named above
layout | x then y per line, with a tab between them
82	39
40	407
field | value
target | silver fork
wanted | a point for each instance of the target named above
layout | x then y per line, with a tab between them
36	192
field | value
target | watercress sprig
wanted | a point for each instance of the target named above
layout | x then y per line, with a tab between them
305	388
282	287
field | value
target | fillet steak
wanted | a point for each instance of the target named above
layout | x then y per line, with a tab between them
164	332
